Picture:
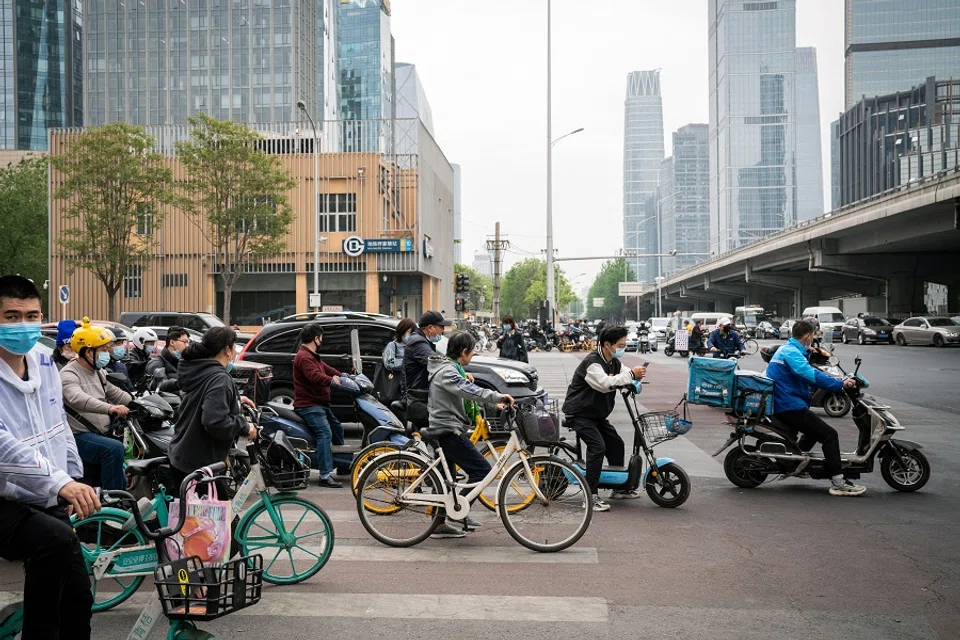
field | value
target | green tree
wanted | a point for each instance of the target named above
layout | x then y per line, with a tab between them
524	287
606	286
237	194
481	287
114	187
23	209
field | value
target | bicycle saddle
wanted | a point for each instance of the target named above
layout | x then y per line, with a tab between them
430	434
143	467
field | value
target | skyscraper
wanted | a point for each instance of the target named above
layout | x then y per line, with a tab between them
40	70
753	120
809	155
160	62
685	199
457	215
328	65
367	83
642	155
412	106
895	46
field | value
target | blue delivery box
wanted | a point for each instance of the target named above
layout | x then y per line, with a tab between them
711	382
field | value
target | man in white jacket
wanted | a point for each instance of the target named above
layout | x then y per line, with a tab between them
38	461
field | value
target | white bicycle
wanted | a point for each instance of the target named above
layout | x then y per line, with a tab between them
542	500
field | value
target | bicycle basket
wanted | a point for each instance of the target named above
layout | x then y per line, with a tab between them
660	426
539	423
283	467
191	591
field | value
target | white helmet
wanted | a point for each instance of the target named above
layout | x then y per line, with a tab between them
723	322
144	335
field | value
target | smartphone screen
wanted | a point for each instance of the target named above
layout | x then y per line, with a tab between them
646	364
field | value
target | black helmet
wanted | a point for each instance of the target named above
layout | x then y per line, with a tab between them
767	352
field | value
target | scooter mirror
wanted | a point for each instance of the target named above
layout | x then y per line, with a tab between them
834	360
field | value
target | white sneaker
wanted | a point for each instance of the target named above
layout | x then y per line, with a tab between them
599	504
847	488
629	494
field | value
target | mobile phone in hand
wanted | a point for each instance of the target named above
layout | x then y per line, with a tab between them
646	364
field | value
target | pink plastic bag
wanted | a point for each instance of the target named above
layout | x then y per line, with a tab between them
206	531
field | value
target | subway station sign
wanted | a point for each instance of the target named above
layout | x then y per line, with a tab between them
355	245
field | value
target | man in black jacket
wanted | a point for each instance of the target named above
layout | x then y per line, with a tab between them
418	351
169	358
590	401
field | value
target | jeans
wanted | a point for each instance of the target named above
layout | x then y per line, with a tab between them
108	453
326	428
814	428
601	439
56	591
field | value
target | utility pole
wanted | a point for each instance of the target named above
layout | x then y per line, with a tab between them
497	245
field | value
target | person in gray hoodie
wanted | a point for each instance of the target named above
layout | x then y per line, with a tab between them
454	404
210	419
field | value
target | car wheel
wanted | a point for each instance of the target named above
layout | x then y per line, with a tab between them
860	339
282	396
843	338
938	340
901	340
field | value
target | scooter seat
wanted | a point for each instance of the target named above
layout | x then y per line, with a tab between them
143	467
287	413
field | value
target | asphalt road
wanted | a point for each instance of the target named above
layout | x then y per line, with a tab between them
785	560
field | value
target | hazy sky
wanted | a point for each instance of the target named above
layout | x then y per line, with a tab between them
483	66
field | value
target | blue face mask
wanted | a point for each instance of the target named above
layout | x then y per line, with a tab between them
619	353
230	366
119	353
406	337
103	359
507	327
435	339
175	353
19	337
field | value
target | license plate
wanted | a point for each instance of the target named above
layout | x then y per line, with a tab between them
882	335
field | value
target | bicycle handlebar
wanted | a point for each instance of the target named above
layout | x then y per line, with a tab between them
121	497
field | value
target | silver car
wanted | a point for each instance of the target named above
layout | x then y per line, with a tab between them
927	330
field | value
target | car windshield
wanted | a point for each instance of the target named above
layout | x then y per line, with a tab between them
875	322
660	322
211	319
941	322
830	317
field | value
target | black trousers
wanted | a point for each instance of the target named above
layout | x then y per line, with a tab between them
814	429
56	591
601	439
460	452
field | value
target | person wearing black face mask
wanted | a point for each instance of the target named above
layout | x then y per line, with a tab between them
724	340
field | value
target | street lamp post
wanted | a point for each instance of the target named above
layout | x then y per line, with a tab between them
316	206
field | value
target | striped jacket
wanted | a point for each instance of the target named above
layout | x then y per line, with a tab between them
38	454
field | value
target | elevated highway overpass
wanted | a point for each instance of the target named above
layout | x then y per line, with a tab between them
884	248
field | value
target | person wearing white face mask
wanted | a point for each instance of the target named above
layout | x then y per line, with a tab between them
92	402
388	379
590	401
511	341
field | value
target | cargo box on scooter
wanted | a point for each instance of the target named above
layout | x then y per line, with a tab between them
711	381
749	388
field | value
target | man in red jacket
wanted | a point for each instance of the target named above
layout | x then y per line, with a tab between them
312	378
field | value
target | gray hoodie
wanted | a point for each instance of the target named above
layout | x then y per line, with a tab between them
448	390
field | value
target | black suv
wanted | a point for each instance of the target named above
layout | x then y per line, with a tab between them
354	339
196	321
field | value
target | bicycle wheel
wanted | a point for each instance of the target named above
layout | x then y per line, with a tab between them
388	518
751	346
557	520
488	497
295	554
101	533
365	455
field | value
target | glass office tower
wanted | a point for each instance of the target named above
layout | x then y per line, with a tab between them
685	199
642	155
160	62
41	82
753	120
367	84
809	157
893	45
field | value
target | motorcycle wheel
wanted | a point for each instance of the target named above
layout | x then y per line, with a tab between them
910	479
668	351
837	405
740	477
671	489
547	347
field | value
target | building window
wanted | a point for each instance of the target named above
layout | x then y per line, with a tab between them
133	282
173	280
338	212
145	218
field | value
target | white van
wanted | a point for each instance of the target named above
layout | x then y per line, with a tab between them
709	318
830	318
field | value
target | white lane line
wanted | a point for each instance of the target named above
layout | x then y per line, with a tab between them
483	555
441	607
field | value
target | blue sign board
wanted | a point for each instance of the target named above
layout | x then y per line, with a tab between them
382	245
355	245
64	294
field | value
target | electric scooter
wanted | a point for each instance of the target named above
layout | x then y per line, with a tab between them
667	484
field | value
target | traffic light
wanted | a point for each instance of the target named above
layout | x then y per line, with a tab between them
463	282
466	282
459	304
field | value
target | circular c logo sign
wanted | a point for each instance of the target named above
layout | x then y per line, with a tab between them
353	246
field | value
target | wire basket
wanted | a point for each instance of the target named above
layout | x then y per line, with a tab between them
659	426
283	479
539	423
191	591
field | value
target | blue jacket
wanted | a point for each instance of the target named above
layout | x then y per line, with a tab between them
794	376
727	343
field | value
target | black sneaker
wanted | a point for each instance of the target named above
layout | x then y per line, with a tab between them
446	531
468	524
330	483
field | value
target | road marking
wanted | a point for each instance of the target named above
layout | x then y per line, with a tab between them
441	607
482	555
